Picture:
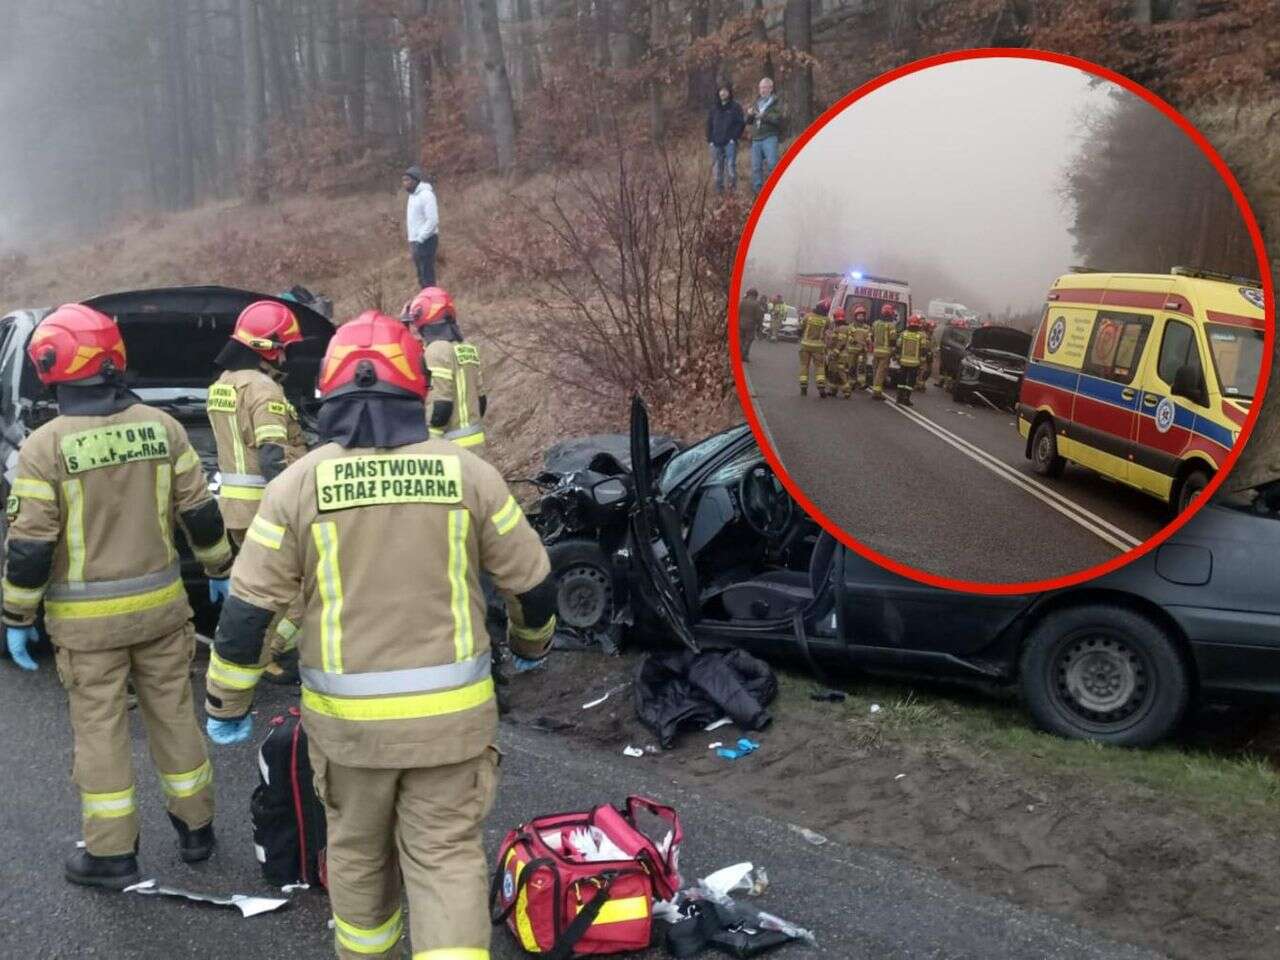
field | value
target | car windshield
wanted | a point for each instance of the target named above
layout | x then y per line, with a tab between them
687	461
1237	358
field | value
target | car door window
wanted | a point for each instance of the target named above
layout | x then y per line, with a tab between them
1178	348
1115	347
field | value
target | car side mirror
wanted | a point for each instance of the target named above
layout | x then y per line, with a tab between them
1189	383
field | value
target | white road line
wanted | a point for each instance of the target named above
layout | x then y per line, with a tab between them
1096	525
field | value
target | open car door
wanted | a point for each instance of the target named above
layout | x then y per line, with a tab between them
657	541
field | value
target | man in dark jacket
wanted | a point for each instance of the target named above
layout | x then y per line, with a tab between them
725	124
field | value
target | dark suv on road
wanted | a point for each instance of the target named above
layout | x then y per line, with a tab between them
172	336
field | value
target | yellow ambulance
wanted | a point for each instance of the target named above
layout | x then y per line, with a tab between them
1144	378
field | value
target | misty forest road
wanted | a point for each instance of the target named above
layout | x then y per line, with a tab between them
861	903
943	487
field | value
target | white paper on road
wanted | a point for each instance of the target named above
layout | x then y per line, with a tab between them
248	906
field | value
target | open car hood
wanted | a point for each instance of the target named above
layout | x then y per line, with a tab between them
173	335
1006	339
570	456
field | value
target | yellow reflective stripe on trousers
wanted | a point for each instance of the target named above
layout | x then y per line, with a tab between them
377	939
73	494
164	507
107	806
188	459
187	784
114	606
232	676
452	953
266	533
506	518
33	488
329	581
415	706
459	589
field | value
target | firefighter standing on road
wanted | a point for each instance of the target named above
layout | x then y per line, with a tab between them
813	348
387	532
859	340
883	335
839	373
910	351
458	402
926	354
96	493
257	433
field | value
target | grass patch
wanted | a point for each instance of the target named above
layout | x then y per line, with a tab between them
1218	782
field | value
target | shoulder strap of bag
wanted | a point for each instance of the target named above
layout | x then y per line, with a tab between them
565	942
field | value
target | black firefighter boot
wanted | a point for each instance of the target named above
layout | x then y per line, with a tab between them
195	845
111	873
804	389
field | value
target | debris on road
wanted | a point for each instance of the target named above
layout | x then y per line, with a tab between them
816	839
829	696
716	745
630	751
741	749
875	708
705	915
247	905
607	694
679	688
722	722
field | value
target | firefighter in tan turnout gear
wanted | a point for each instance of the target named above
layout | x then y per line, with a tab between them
911	348
94	500
884	334
813	348
458	403
387	532
257	432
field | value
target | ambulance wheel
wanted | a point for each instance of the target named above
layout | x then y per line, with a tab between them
1103	672
584	585
1191	486
1044	451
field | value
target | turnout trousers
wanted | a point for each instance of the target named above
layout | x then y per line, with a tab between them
881	371
102	768
817	358
422	824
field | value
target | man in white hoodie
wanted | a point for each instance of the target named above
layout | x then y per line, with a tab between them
423	221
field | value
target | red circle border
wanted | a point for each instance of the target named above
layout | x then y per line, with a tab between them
1031	586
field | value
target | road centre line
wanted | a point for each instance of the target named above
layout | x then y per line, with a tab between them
1101	528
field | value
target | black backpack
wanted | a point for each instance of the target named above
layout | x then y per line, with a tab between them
288	817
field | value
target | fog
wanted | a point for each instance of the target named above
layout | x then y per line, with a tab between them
949	178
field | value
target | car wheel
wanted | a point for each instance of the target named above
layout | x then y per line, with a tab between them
584	585
1044	451
1192	486
958	393
1103	672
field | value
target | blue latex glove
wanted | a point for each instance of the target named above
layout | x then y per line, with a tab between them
219	589
523	666
17	640
223	732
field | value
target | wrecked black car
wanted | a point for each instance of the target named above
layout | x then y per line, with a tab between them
703	546
992	365
171	336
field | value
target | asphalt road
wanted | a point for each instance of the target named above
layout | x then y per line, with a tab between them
943	487
860	903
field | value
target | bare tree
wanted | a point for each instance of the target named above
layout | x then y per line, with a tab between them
797	25
255	121
499	86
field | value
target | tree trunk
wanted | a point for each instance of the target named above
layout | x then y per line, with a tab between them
254	114
760	33
279	98
354	61
1140	11
501	106
658	46
698	93
530	73
419	73
797	23
331	40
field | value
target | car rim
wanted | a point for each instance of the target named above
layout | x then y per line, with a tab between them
583	596
1101	680
1043	455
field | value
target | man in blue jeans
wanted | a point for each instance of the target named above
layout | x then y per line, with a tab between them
725	124
768	122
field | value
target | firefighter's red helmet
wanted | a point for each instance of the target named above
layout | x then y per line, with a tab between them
859	311
838	316
373	353
267	327
888	312
915	321
76	344
431	305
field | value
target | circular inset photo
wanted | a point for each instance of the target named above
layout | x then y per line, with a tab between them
1002	321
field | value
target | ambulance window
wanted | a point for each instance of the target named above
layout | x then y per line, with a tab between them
1177	349
1115	349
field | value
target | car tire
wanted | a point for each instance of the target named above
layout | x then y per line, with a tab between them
1045	459
1103	672
958	393
1190	487
584	584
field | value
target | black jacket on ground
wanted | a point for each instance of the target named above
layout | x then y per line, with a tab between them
680	688
725	122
